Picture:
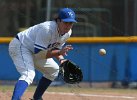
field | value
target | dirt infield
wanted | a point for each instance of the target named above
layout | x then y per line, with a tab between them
60	96
71	96
81	94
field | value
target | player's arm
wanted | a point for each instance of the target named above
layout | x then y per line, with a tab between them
59	53
53	53
44	54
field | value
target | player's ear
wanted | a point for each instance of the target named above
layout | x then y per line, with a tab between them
58	20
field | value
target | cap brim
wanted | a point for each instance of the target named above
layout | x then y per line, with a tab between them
69	20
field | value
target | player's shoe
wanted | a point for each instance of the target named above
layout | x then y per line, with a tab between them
35	99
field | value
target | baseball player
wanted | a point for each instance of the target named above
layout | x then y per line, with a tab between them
35	48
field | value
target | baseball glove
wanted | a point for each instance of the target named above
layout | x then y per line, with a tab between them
70	72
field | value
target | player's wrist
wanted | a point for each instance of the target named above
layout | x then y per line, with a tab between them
61	59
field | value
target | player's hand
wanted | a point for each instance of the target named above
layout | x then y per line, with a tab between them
65	50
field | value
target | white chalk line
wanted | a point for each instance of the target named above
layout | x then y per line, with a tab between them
91	95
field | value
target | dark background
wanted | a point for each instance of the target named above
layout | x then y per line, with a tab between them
95	17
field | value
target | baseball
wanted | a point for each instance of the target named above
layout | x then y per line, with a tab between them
102	52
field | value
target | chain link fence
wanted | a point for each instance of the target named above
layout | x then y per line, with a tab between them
95	17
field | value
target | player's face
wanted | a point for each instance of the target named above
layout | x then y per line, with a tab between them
64	27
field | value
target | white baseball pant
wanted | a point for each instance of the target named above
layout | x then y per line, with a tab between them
26	63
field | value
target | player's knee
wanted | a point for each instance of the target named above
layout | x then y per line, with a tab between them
52	75
28	76
31	76
56	73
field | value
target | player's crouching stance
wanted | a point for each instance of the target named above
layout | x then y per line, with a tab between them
35	47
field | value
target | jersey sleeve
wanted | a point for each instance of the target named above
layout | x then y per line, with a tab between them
42	39
60	46
64	39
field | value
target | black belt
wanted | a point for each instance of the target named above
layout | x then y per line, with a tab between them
17	37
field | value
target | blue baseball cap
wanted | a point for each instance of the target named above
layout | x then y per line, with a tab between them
67	15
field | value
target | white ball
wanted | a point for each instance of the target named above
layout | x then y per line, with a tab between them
102	52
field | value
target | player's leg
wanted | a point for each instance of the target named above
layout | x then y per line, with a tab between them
43	84
19	89
50	71
23	61
24	81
